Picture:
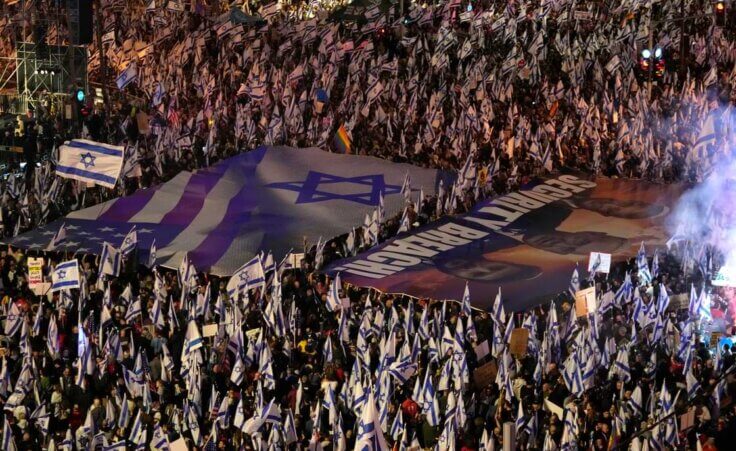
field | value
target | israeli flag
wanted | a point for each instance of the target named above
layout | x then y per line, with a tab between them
58	239
158	95
250	274
130	242
110	260
126	77
65	276
91	162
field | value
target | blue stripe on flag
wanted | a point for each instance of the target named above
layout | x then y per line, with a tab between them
95	148
87	174
65	284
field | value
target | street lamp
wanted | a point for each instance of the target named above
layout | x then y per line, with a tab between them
720	13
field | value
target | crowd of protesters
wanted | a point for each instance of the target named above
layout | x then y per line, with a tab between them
520	88
515	88
115	363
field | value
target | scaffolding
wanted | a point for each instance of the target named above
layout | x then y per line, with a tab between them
45	72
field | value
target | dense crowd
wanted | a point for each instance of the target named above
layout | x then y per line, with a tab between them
152	356
518	88
144	357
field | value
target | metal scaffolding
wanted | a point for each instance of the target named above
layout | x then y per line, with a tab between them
42	72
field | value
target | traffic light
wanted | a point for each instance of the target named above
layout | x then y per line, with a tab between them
720	13
652	61
79	98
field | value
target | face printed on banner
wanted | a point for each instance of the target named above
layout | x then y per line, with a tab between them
487	270
577	243
622	208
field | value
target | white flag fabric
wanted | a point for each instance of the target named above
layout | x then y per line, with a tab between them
65	276
13	321
193	338
110	260
370	435
91	162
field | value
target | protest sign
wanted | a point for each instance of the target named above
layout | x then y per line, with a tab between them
484	375
482	350
519	341
585	301
599	262
209	330
35	272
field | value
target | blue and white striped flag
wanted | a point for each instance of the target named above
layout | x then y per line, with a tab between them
645	276
110	260
251	275
129	243
126	77
520	419
58	239
13	321
159	442
65	276
370	436
8	442
124	413
465	307
333	295
91	162
152	255
574	282
120	445
403	370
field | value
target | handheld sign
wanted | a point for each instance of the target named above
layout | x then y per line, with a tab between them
599	262
585	301
519	341
484	375
35	272
482	350
209	330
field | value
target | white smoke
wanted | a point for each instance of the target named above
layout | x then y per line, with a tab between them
706	214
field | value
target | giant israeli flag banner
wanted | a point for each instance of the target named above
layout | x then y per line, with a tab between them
91	162
269	199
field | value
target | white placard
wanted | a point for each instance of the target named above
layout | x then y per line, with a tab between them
603	262
725	277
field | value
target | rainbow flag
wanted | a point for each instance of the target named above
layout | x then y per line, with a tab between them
342	140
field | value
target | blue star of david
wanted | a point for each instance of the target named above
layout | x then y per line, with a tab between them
88	160
61	273
310	192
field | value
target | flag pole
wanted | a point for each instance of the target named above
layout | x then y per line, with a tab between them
651	49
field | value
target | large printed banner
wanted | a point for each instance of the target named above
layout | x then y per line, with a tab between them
271	198
526	243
